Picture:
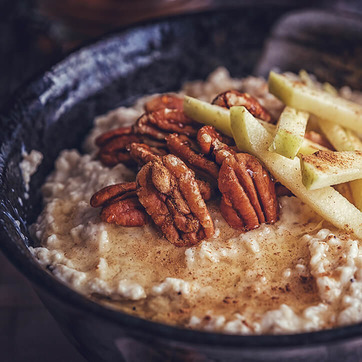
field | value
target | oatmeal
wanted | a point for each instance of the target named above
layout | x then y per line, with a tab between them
296	274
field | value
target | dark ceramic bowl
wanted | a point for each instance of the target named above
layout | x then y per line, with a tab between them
56	111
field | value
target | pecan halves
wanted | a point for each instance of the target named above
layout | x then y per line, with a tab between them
184	148
248	193
213	143
127	212
205	188
120	205
113	146
234	98
160	123
169	101
109	193
113	133
170	194
143	154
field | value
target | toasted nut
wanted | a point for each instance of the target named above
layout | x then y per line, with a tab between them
212	143
114	133
159	124
128	212
170	194
143	153
162	101
120	205
109	193
113	146
183	147
234	98
248	189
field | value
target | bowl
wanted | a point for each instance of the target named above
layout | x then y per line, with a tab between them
56	110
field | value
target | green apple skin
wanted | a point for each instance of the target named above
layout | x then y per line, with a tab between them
250	136
290	132
326	168
322	104
208	114
219	117
344	140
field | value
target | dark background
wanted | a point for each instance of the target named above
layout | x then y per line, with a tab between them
34	35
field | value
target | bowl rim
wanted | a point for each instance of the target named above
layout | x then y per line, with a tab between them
45	281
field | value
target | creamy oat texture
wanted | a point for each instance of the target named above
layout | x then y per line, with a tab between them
300	274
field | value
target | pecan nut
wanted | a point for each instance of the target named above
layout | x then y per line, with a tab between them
105	137
110	193
184	148
113	146
170	194
127	212
248	193
143	154
281	190
160	123
213	143
205	188
234	98
120	205
162	101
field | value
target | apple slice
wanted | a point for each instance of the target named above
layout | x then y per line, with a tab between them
307	147
290	132
355	139
326	168
306	78
250	136
322	104
210	114
341	139
344	140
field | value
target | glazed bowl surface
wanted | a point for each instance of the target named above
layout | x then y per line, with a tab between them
55	111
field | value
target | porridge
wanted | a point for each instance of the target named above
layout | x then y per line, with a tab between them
297	273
